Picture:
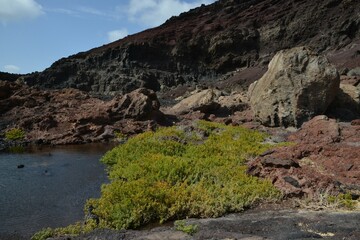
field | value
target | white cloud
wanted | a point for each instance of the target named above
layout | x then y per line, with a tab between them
152	13
11	69
117	34
13	10
62	11
92	11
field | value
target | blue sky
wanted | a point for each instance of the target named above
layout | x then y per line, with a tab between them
35	33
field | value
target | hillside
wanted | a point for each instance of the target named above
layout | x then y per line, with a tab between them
210	41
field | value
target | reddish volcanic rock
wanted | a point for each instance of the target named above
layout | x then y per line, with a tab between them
71	116
324	159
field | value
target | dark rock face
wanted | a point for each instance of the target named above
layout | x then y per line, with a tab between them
207	42
9	76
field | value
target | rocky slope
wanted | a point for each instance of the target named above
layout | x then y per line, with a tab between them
71	116
209	41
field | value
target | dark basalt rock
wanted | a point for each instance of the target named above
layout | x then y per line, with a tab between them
207	42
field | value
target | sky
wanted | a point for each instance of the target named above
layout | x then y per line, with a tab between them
36	33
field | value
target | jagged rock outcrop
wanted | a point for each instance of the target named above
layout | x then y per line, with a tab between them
9	76
72	116
323	159
298	85
139	105
209	41
208	101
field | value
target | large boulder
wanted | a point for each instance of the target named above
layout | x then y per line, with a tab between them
204	101
140	104
298	85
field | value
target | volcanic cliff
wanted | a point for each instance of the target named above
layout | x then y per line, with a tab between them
228	36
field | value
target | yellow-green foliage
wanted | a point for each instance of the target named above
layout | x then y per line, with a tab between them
342	201
15	134
190	229
71	230
171	174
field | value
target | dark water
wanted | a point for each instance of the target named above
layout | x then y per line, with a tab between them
50	191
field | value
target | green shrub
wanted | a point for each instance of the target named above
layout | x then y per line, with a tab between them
342	201
71	230
190	229
172	174
165	175
15	134
43	234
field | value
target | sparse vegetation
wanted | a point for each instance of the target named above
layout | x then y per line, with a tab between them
174	174
181	225
342	201
71	230
15	134
120	136
328	201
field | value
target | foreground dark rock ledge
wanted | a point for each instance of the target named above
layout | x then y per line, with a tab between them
277	224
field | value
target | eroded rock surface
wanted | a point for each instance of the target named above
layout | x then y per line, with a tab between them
72	116
206	42
298	85
323	158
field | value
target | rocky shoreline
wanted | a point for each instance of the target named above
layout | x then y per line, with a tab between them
277	74
324	157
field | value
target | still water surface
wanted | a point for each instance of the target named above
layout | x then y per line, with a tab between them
50	191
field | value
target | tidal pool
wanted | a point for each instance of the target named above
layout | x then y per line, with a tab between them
50	190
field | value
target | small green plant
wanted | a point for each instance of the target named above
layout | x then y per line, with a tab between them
190	229
43	234
122	138
342	201
71	230
328	201
15	134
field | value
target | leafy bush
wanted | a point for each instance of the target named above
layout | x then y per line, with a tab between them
172	174
15	134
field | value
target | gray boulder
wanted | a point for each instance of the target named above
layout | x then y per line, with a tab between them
203	101
298	85
140	104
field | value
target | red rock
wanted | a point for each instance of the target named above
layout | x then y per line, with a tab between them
328	154
72	116
355	122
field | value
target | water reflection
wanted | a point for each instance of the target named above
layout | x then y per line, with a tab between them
51	187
